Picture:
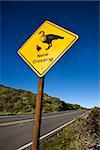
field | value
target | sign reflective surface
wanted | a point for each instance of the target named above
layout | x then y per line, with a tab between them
46	46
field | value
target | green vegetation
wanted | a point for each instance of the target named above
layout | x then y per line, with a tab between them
83	134
17	101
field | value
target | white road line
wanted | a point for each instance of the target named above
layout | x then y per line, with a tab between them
48	134
59	115
30	120
25	146
15	122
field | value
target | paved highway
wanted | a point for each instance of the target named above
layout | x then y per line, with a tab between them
16	131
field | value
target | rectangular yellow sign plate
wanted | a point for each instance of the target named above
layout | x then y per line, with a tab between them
46	46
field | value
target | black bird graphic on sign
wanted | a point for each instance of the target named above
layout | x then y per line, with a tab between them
49	38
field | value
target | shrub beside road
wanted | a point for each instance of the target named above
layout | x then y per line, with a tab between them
18	101
83	134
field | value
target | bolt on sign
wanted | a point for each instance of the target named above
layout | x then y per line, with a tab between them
46	46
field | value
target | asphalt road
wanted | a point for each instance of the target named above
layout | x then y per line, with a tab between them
16	131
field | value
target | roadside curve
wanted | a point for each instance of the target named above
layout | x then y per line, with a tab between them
18	133
50	133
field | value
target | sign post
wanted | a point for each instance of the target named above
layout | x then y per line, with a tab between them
38	110
41	51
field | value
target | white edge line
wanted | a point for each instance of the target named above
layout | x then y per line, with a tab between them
61	127
25	146
46	135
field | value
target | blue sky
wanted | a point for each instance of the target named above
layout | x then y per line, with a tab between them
75	77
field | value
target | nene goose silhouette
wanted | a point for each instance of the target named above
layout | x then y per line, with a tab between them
49	38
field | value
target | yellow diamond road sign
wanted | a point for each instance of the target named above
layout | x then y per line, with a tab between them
45	47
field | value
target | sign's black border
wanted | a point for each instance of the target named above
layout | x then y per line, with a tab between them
57	57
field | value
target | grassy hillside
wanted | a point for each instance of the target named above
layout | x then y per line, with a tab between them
83	134
20	101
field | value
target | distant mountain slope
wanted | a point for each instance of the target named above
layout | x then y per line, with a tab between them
20	101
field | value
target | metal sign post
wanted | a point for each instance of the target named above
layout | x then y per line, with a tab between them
41	51
38	114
